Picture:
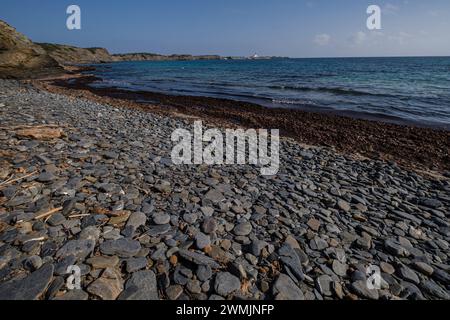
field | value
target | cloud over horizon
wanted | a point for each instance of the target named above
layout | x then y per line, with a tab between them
295	28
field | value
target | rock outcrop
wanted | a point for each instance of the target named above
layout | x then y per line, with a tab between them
159	57
65	54
21	58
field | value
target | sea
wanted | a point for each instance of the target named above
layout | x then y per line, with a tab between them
411	90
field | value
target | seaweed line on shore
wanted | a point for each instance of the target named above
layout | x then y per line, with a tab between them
417	148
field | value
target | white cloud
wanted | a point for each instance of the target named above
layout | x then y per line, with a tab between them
358	38
400	38
322	39
390	8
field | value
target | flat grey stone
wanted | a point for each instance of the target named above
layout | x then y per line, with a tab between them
135	264
30	287
343	205
141	286
396	249
158	230
423	268
340	268
291	261
46	177
434	290
324	284
407	274
214	196
361	289
243	229
136	220
209	225
225	283
161	219
202	240
286	289
73	295
204	273
79	248
125	248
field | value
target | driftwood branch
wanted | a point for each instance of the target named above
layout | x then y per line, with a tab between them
48	213
8	182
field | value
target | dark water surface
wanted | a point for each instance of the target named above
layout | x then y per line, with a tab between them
415	90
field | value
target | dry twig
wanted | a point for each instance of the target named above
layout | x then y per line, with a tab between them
5	183
48	214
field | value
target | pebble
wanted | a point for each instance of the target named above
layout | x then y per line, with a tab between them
135	264
78	248
174	292
361	289
314	224
136	220
387	268
46	177
214	196
164	187
103	262
243	229
31	287
225	283
396	249
324	285
198	258
407	274
73	295
204	273
434	290
343	205
285	289
33	263
141	286
108	286
339	268
423	268
209	225
161	219
124	248
202	240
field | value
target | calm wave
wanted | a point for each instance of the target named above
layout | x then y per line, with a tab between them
410	89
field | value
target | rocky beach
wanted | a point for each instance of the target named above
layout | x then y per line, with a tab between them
87	181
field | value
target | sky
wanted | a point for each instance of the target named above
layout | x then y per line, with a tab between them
294	28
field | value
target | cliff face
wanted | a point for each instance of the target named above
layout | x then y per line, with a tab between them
21	58
72	55
158	57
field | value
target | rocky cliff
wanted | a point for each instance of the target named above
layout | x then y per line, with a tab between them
21	58
72	55
159	57
65	54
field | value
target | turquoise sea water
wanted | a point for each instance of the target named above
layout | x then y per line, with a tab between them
405	89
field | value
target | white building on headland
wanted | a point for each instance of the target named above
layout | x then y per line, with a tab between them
258	57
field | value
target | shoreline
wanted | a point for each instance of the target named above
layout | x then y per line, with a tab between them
417	148
273	103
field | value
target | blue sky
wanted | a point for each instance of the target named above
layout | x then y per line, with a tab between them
295	28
